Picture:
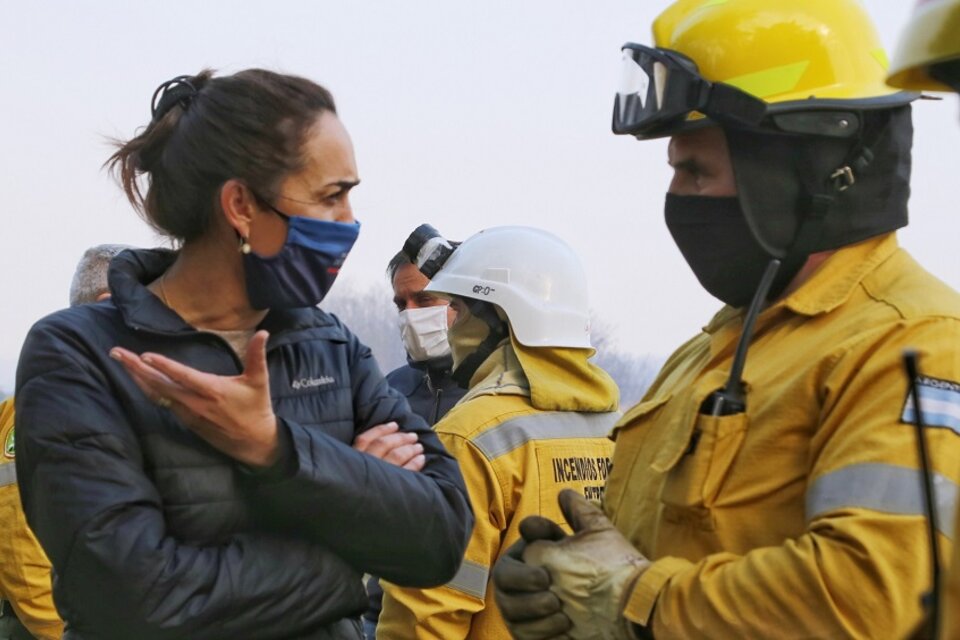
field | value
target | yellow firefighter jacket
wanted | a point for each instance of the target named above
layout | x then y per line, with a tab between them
950	602
24	568
534	421
803	516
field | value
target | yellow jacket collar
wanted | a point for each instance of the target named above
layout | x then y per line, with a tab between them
499	375
833	283
563	379
830	286
554	378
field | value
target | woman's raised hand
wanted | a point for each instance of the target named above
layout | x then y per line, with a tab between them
232	413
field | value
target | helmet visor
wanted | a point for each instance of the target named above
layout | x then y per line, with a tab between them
660	90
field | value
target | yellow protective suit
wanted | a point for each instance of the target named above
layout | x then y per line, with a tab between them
24	568
534	421
802	517
950	602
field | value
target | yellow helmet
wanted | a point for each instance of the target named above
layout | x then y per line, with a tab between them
932	36
780	50
746	59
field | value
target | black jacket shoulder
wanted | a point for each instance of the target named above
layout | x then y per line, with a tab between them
179	539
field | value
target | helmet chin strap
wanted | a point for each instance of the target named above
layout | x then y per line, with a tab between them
498	331
821	195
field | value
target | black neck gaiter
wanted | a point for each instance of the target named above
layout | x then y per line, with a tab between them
714	238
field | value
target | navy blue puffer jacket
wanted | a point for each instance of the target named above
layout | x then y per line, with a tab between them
428	387
154	534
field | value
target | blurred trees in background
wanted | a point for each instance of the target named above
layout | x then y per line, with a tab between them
633	373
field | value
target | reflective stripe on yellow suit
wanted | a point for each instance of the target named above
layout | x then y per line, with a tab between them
24	568
803	517
521	435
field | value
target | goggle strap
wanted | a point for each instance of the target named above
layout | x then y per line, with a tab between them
727	103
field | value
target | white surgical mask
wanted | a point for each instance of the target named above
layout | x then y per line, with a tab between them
424	332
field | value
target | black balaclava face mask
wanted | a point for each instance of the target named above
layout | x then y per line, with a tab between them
714	238
788	205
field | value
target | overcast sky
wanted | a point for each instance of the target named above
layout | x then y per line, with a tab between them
463	114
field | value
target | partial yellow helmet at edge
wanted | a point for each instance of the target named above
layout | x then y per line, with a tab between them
781	50
931	36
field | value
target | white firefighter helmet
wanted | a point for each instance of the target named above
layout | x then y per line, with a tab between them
534	276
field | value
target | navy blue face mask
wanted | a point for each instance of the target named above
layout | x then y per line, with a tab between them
302	272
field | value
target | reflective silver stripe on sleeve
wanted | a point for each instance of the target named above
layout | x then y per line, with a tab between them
8	474
471	578
511	434
882	487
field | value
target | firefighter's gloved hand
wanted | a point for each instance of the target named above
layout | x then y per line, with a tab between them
522	591
592	572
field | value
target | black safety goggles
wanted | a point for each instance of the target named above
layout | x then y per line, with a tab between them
661	89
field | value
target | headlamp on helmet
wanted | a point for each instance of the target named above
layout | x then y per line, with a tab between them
428	250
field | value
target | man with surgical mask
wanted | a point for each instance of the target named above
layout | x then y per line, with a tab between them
426	378
534	421
423	319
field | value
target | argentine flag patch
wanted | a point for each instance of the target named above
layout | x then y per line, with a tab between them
939	404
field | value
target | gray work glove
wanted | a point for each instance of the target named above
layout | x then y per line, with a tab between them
592	572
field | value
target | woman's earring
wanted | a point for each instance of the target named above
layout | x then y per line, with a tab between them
244	245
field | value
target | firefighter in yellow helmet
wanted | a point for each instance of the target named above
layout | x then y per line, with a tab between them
768	485
535	417
928	59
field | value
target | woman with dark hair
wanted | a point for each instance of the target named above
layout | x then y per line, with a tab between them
207	454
